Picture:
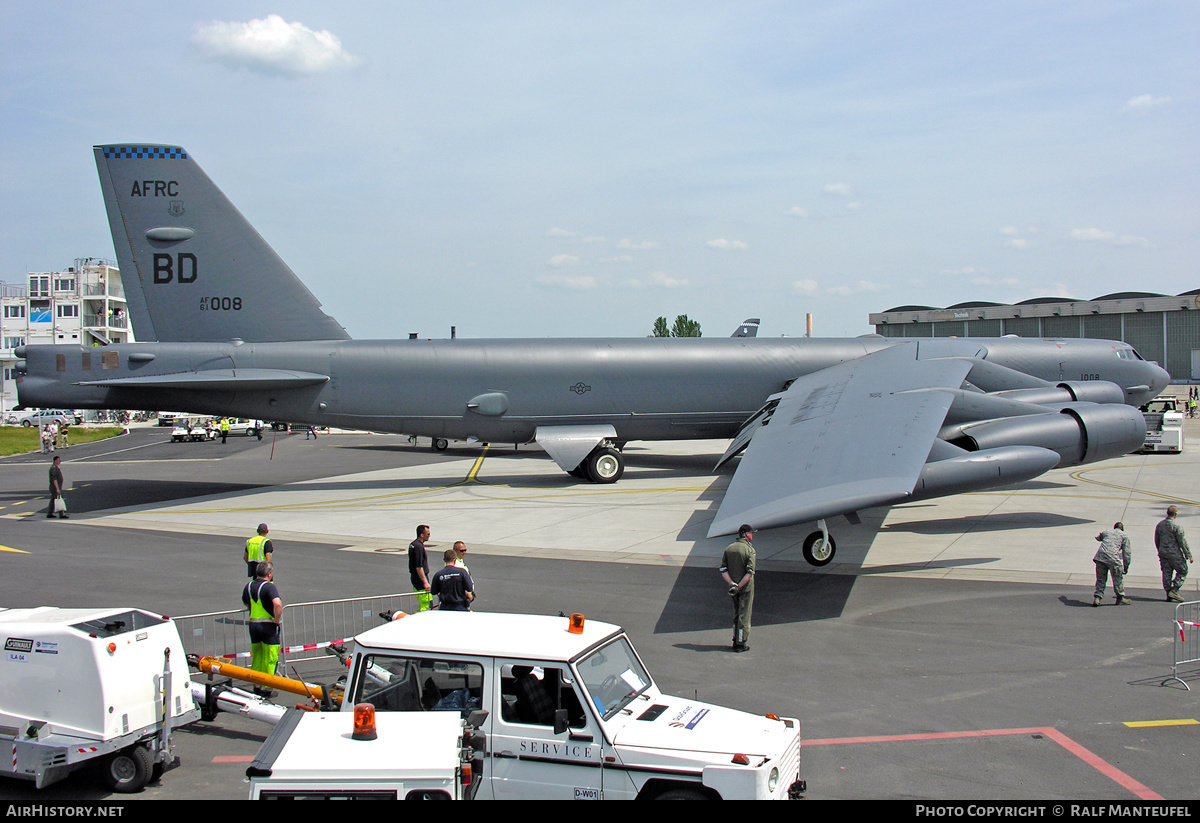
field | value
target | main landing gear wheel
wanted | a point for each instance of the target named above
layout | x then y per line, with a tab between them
440	444
817	550
605	466
128	770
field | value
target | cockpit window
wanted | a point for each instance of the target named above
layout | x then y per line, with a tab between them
1128	354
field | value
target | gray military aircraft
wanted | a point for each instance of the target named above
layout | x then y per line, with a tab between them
828	427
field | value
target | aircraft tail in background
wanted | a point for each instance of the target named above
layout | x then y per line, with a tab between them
194	270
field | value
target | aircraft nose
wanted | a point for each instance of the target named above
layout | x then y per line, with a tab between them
1160	380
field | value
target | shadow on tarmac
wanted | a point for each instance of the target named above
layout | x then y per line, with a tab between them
1005	522
698	601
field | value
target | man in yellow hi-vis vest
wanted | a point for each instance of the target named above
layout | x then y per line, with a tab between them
258	549
266	614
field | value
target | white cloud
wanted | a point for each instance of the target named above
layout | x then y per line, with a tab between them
860	286
796	211
644	245
557	232
1142	104
659	278
854	206
1092	234
1018	241
805	287
567	281
593	238
1108	238
620	258
273	46
721	244
840	189
1008	282
561	260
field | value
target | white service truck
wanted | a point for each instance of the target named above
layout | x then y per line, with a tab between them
572	713
81	684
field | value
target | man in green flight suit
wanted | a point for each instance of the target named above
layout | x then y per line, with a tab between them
737	569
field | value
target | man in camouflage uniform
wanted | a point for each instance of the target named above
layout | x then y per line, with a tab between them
737	569
1173	554
1113	557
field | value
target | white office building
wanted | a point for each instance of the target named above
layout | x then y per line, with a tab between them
84	305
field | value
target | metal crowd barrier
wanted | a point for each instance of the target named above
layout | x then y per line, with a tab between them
1187	639
307	628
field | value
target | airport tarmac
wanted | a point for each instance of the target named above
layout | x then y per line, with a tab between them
950	651
518	503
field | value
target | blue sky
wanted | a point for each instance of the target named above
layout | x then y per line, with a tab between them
578	169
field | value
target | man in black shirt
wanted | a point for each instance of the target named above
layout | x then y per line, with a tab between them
453	585
56	487
418	568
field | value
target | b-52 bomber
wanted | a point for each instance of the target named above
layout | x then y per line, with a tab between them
828	427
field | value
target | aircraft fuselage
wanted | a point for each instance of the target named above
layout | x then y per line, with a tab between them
502	390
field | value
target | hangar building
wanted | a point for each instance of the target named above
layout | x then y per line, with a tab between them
1162	328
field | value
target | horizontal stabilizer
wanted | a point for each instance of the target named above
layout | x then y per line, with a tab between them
220	379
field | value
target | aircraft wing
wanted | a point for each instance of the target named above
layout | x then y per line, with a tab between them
841	439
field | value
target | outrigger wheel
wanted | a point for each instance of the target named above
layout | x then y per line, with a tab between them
440	444
819	548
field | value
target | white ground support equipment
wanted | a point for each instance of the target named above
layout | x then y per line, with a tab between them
1164	425
82	684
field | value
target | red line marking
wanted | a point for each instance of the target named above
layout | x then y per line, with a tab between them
234	758
1095	761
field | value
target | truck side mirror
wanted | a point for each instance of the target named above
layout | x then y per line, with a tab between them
560	721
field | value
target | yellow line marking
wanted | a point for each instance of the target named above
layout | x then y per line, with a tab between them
478	464
7	549
1141	724
1079	475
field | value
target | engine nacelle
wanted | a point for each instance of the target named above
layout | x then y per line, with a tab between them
1094	391
1080	432
1070	391
976	471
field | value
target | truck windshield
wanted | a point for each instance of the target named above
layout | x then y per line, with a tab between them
613	677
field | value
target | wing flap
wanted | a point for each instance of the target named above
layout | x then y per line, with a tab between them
845	438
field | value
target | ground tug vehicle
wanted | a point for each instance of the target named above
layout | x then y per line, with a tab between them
1164	425
559	708
77	685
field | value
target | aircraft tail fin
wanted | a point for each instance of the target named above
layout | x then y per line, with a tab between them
749	328
193	268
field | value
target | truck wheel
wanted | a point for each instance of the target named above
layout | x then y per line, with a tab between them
128	770
817	551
